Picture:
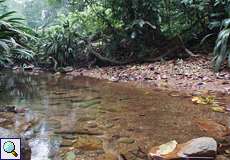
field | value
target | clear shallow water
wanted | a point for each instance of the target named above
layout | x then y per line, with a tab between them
92	117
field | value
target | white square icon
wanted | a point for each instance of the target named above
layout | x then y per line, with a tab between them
10	149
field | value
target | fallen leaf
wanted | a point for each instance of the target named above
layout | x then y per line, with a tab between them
228	108
163	84
174	94
218	109
227	151
195	99
147	93
210	99
204	100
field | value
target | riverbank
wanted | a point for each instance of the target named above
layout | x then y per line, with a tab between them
189	75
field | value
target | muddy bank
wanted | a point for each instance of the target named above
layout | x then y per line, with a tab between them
192	74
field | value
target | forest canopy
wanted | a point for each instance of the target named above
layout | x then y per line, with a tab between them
62	33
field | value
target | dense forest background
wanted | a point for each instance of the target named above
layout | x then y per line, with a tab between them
60	33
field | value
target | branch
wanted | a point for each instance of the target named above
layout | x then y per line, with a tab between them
105	59
186	49
112	61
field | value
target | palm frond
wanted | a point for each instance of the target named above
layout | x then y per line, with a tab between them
7	14
221	50
13	35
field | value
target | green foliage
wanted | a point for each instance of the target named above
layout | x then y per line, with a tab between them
118	30
222	22
61	43
12	40
121	29
222	50
128	27
84	22
213	18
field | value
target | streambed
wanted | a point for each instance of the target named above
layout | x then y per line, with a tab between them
85	118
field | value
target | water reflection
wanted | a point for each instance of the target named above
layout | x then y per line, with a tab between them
21	86
44	146
81	110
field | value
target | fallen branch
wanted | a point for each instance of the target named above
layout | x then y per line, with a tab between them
105	59
179	45
186	49
112	61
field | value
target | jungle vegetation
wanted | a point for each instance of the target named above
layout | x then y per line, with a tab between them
112	32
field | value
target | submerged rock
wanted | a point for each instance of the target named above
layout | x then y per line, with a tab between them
79	131
126	140
25	149
87	103
92	124
69	136
107	156
84	119
70	156
66	143
204	147
88	143
54	124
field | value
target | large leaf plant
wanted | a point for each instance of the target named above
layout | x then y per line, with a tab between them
13	38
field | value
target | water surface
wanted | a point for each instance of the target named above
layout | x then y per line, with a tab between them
92	117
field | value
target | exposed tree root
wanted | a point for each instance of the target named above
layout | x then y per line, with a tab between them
186	49
105	59
170	49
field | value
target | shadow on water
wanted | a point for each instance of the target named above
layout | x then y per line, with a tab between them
86	118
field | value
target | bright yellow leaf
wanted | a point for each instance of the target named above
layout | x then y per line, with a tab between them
195	99
218	109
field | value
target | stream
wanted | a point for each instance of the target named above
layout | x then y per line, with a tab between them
75	118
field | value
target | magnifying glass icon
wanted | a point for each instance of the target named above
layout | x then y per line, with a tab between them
9	147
